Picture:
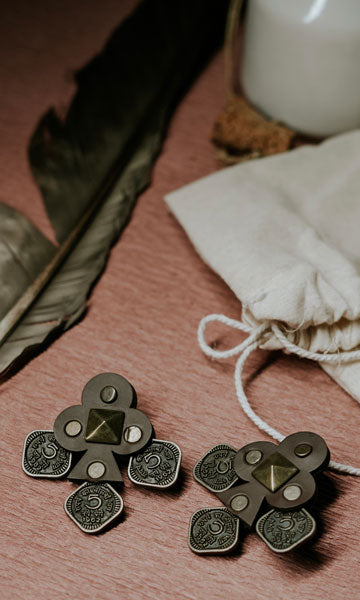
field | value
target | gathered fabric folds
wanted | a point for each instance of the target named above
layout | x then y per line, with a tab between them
283	233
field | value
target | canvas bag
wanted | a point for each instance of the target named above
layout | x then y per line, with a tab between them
283	233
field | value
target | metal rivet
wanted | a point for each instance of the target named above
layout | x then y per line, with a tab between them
253	456
73	428
108	394
292	492
303	450
239	502
96	470
132	434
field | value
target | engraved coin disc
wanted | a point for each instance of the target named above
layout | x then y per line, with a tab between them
44	457
283	531
213	531
215	470
156	466
93	506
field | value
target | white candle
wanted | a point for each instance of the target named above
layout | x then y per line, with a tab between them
302	63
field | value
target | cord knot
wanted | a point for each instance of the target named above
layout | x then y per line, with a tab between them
249	345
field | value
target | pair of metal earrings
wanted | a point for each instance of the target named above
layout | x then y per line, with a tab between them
86	439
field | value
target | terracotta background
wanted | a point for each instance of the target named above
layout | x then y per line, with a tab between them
142	322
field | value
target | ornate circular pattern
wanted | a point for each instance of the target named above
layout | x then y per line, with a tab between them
44	457
215	470
213	530
156	466
285	530
93	506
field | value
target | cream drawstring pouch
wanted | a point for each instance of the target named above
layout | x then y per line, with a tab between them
284	233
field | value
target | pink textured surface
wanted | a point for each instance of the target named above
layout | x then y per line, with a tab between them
142	322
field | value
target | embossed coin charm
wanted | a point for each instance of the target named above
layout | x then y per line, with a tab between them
215	470
93	506
213	530
44	457
264	473
284	531
157	466
83	446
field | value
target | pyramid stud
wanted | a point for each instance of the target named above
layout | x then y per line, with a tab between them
104	426
275	471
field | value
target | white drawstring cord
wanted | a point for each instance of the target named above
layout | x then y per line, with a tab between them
249	345
335	357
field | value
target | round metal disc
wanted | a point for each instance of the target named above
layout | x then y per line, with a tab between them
292	492
132	434
108	394
96	470
302	450
73	428
253	457
239	502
